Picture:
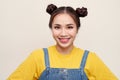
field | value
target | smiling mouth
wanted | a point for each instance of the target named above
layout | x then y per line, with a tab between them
64	40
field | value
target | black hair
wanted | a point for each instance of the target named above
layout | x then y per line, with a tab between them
75	14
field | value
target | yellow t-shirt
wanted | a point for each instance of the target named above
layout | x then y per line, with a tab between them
34	65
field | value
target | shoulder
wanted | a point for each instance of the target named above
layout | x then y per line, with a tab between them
37	55
94	59
40	51
91	54
37	52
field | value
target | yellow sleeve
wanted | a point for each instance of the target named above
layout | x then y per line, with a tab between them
27	70
97	70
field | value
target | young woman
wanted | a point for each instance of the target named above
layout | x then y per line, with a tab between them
63	61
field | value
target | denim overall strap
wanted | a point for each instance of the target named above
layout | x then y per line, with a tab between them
46	57
84	59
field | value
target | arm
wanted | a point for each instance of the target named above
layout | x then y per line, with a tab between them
96	69
25	71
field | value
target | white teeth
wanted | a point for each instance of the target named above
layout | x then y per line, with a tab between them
64	38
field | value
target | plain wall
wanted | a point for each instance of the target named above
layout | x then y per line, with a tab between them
24	28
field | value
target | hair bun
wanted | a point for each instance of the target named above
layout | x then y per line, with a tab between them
51	8
82	12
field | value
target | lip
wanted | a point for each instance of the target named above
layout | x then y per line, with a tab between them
64	40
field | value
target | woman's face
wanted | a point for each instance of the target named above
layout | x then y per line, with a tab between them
64	30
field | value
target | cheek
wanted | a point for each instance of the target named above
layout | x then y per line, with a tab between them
55	33
73	33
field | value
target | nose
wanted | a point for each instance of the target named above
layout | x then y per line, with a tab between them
63	32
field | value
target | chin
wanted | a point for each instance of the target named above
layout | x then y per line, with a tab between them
64	45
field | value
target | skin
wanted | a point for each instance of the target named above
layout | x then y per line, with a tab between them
64	31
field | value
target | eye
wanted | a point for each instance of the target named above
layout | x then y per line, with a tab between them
56	27
70	27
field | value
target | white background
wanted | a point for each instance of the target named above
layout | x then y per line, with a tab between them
24	28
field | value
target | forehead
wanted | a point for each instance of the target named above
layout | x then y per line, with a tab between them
63	18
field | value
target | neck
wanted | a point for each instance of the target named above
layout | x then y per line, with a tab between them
64	50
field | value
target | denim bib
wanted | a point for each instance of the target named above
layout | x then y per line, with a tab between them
63	73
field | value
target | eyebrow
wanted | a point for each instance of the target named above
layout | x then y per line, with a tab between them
69	24
59	24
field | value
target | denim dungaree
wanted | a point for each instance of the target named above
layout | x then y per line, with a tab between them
63	73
